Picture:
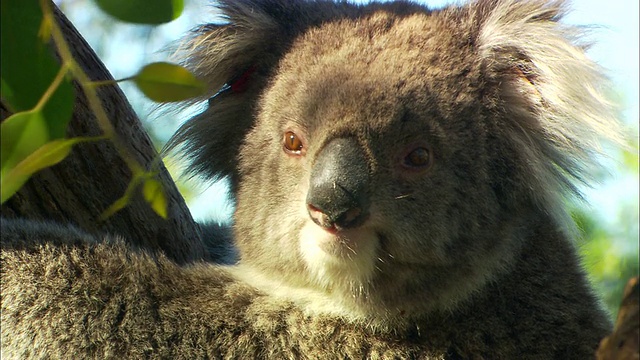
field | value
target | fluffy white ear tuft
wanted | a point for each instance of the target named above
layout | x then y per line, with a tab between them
555	98
525	41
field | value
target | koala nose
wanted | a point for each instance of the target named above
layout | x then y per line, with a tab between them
338	189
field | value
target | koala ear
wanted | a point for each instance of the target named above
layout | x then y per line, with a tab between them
233	59
554	98
236	59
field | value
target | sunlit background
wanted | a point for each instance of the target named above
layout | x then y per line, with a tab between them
609	222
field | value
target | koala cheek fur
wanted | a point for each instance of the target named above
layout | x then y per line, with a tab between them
399	174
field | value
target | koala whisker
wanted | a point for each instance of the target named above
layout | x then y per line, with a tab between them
403	196
352	250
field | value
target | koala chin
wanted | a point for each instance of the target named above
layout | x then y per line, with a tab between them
339	260
400	176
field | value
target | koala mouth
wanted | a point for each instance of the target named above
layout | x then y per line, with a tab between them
323	233
348	254
340	243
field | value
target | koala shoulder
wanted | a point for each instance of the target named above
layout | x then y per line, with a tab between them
111	300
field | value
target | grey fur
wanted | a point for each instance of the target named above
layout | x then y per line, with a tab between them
468	257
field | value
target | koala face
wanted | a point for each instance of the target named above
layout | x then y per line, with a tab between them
365	174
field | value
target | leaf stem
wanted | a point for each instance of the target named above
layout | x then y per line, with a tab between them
52	88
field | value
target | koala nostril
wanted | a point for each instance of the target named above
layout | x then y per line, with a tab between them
319	217
349	218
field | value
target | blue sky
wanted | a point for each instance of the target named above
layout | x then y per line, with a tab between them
616	49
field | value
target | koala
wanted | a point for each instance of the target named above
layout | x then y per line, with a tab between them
400	176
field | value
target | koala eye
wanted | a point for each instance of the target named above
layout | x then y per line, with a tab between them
292	143
418	159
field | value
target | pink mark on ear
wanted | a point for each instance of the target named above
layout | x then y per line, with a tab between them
528	82
241	83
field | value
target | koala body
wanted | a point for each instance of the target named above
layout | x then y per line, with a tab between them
399	176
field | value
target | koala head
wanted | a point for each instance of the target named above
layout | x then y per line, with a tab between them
390	157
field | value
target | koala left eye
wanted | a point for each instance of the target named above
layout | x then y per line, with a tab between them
419	158
292	143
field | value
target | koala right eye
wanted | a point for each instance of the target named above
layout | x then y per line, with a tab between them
418	159
292	143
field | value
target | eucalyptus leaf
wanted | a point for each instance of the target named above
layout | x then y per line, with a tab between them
46	155
155	196
20	135
165	82
150	12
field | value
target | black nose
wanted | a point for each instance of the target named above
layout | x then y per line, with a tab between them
338	196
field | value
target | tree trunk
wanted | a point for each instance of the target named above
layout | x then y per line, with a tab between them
624	342
80	188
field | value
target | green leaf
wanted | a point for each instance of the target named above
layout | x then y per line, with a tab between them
143	11
6	92
165	82
22	80
27	66
47	155
10	186
154	195
20	135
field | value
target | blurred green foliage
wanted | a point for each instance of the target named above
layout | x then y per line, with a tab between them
609	254
610	248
